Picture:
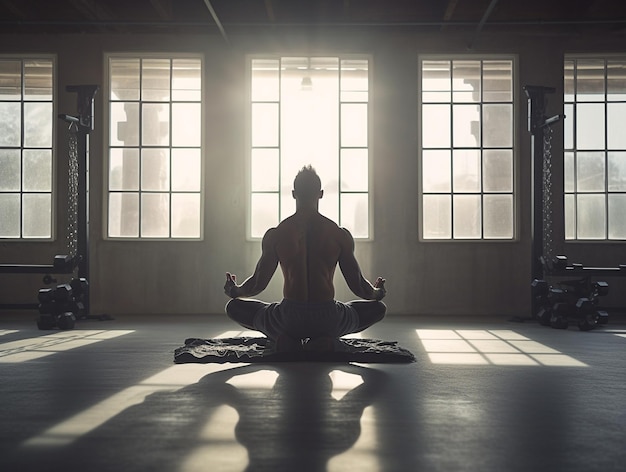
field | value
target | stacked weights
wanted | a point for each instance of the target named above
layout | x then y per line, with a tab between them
570	301
61	306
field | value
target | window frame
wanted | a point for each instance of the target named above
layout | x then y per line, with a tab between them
53	58
248	140
515	149
107	56
606	240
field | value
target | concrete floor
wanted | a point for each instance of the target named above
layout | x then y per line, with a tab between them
484	395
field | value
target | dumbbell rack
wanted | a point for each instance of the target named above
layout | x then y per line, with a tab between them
60	306
574	294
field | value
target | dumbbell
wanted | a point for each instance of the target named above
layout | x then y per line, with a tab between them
586	314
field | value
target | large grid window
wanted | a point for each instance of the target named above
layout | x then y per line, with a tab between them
155	163
595	148
26	127
467	152
309	110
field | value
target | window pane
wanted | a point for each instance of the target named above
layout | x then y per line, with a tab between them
616	80
124	121
354	214
466	122
617	216
155	215
498	215
38	124
590	172
10	80
498	125
10	170
264	170
186	80
437	217
498	81
467	216
124	215
498	170
353	125
568	82
265	80
435	126
616	117
354	171
466	170
568	126
185	211
155	124
186	170
124	169
264	213
436	83
155	80
37	171
9	215
436	171
617	172
155	169
591	216
264	124
38	80
568	172
590	80
10	124
37	214
466	81
354	80
186	124
590	126
570	217
124	76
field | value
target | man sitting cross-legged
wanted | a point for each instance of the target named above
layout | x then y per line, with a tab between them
308	246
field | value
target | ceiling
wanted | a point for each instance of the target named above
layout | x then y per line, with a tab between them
234	16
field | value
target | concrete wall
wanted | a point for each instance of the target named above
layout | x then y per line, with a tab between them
423	277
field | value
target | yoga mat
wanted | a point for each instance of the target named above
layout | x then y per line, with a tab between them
260	349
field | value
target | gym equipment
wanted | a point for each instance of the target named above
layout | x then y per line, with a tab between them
59	307
565	299
572	300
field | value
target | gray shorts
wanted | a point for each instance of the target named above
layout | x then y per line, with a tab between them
301	320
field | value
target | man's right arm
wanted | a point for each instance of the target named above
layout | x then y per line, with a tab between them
351	271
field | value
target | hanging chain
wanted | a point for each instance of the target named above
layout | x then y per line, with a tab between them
72	195
547	194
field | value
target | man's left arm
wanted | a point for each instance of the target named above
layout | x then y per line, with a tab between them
263	273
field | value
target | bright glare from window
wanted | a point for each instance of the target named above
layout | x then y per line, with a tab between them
309	110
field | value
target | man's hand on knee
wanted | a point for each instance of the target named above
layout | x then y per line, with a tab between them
230	287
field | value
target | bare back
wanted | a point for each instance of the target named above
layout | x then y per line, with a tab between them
308	246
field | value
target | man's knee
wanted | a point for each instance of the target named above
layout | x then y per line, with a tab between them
381	310
243	311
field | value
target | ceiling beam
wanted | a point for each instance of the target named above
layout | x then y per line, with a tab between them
163	8
92	9
218	23
482	22
17	11
269	8
447	16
